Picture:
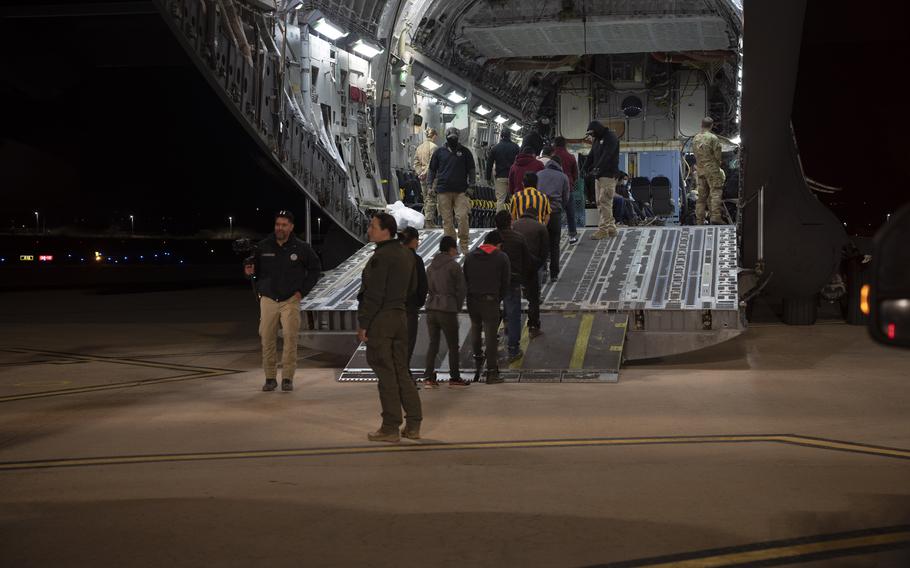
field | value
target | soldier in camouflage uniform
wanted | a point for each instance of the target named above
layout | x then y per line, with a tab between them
711	177
421	166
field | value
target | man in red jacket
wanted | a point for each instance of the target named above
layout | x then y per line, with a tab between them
525	161
570	168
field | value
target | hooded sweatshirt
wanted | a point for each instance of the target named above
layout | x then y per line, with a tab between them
446	282
555	185
523	163
487	271
603	161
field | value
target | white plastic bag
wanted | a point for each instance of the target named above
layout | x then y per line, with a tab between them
405	216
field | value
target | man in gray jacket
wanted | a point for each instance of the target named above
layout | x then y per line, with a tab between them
447	292
538	240
553	183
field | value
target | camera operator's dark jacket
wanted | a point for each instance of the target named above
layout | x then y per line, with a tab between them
283	270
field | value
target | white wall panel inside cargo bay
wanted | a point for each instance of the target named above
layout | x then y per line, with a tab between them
574	108
693	102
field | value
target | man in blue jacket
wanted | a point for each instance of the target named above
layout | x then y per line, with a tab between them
502	156
286	268
453	171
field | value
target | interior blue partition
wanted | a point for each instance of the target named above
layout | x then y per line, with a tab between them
662	163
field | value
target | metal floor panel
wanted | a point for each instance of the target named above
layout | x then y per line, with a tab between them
643	268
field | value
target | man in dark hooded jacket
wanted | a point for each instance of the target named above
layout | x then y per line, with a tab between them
525	161
502	156
538	240
603	165
488	275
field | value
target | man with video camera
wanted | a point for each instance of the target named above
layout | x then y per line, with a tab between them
285	269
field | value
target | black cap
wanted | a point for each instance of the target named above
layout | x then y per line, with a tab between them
286	214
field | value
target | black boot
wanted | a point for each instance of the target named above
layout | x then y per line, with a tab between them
270	385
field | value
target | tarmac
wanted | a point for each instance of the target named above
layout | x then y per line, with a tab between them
133	432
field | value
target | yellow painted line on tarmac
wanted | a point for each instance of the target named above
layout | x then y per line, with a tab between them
841	446
523	345
434	447
828	547
581	342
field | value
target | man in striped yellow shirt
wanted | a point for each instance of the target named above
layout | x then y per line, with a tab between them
530	197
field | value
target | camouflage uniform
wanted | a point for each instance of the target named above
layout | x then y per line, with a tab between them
711	177
421	166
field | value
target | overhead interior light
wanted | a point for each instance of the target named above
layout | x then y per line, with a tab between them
447	109
500	119
482	110
515	127
429	83
366	49
328	29
736	140
456	97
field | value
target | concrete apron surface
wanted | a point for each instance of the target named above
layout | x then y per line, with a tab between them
133	432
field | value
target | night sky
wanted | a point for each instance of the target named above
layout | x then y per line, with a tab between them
104	117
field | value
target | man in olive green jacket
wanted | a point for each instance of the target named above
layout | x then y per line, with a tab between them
389	279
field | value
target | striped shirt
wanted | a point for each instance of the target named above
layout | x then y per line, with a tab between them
530	197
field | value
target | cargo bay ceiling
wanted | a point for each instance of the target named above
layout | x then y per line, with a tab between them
519	49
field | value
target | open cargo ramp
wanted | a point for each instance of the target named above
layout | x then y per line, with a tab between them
649	292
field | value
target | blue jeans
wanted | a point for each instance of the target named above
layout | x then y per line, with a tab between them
622	210
512	308
569	215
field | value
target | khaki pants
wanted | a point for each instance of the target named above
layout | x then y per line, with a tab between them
710	194
271	313
605	189
387	355
452	205
502	193
429	204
